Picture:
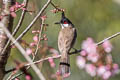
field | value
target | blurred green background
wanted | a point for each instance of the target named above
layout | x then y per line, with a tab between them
92	18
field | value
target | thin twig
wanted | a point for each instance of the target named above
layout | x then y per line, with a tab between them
54	5
75	52
33	21
23	52
36	62
13	78
44	59
17	27
112	36
40	34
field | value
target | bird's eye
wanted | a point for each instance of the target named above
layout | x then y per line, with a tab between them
65	22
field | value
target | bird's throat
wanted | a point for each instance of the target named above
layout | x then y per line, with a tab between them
64	25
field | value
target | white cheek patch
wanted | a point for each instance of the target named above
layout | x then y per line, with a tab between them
64	25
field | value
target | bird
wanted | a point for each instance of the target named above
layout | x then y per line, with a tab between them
66	39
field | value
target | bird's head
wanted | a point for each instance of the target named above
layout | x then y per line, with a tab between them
65	22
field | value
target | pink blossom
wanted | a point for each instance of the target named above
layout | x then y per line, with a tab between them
115	66
34	31
28	77
3	36
93	57
1	17
13	14
83	53
115	69
80	62
29	51
108	67
66	75
43	17
17	79
107	46
32	44
101	70
35	38
51	61
54	51
17	5
91	69
13	46
57	10
38	31
22	4
46	39
89	46
23	8
12	8
106	75
58	72
54	10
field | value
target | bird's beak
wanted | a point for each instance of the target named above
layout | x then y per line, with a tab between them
57	23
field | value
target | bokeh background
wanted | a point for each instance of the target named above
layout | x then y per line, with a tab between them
92	18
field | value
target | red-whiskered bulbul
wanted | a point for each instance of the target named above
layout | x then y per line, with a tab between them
66	40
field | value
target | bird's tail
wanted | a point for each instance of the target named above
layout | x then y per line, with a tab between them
64	66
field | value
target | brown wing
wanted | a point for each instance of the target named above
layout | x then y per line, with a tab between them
66	39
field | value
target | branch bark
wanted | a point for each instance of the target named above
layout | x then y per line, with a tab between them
7	20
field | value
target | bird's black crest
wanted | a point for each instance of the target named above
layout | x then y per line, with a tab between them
63	15
63	19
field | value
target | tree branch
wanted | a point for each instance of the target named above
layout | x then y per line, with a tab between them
39	74
44	59
108	38
34	20
40	33
18	25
